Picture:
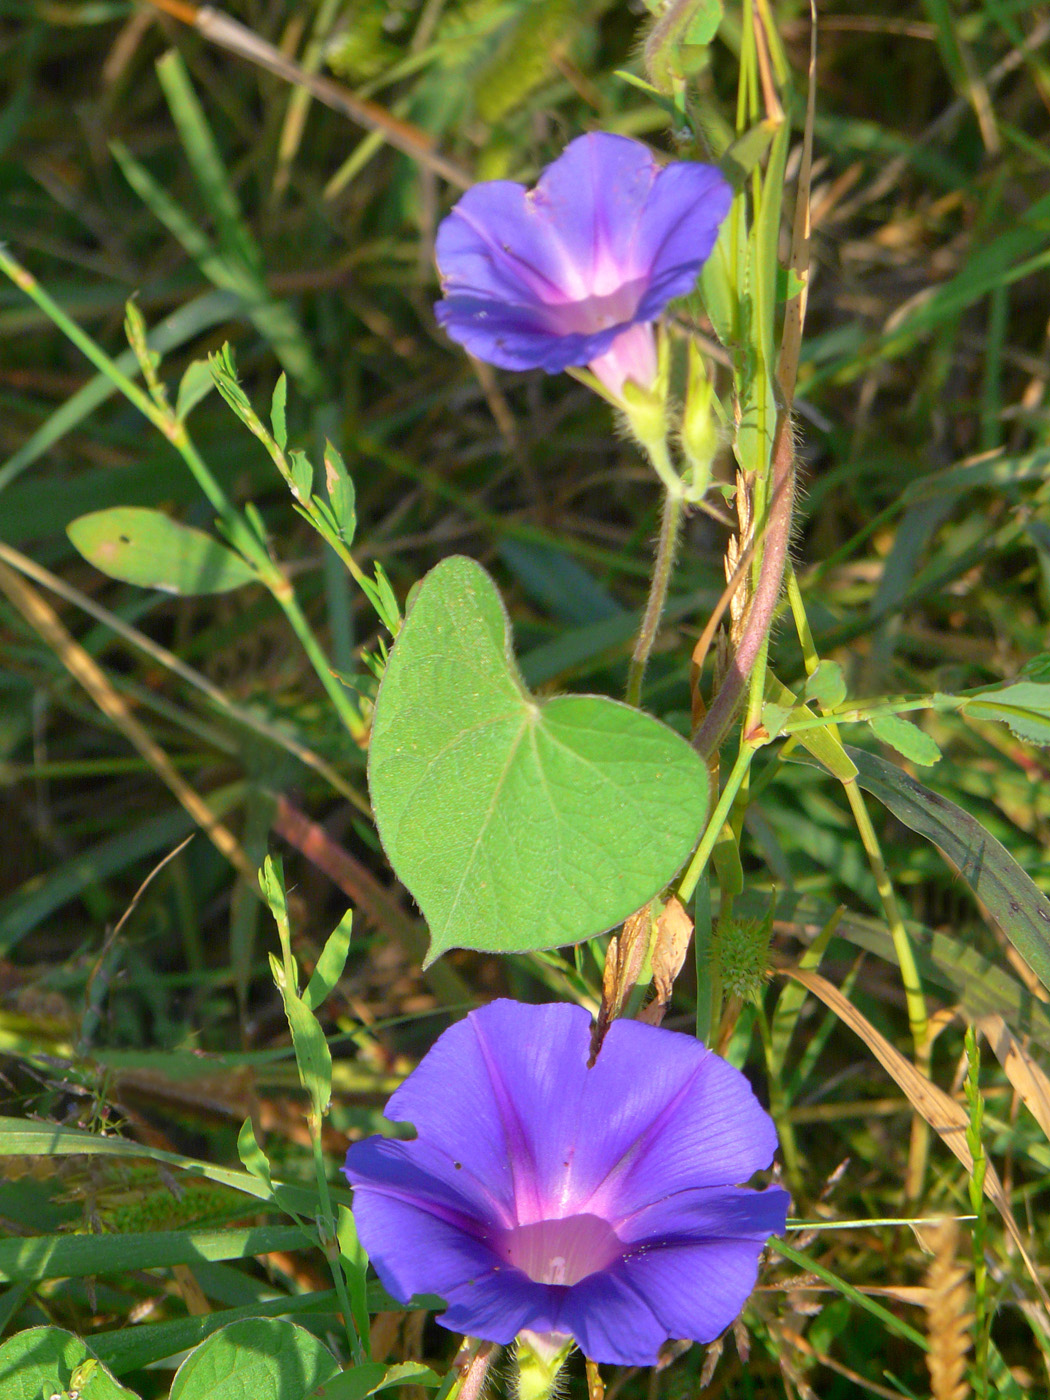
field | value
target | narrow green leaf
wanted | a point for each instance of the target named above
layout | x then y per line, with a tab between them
329	966
1020	909
251	1154
184	324
355	1267
76	1256
340	488
206	163
908	739
312	1054
24	1138
277	412
553	819
195	385
132	1348
302	482
144	547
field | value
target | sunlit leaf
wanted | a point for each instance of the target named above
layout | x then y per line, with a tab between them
265	1358
516	822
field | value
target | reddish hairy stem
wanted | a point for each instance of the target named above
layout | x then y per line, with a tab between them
764	601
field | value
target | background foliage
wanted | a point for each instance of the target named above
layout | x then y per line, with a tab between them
141	160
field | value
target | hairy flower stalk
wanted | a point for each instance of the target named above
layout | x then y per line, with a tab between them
542	1195
763	604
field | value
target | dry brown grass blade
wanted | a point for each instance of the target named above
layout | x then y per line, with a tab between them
944	1115
1029	1079
237	38
31	569
45	622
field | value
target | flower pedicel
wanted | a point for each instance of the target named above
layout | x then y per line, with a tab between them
541	1195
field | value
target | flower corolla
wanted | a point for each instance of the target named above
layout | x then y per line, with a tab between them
577	270
547	1195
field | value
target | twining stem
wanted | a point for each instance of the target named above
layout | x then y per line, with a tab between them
666	548
750	649
471	1371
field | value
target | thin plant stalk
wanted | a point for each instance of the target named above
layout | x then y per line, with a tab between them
238	529
915	1000
687	884
330	1241
666	549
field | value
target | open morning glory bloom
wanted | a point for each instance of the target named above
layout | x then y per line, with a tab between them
593	1203
577	270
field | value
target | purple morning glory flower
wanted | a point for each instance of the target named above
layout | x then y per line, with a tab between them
576	271
541	1194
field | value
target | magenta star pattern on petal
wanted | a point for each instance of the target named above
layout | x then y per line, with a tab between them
599	1203
577	270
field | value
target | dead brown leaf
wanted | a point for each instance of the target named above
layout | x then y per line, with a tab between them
674	929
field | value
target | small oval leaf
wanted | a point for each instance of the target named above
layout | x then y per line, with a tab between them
146	548
908	739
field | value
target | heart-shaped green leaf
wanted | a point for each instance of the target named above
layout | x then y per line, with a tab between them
258	1358
145	547
43	1361
516	822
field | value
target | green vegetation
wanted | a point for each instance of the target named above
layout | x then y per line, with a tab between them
222	383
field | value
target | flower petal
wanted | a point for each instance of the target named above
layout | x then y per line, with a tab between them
495	245
422	1174
714	1213
413	1251
593	196
518	1073
548	278
547	1136
696	1290
673	1115
500	1306
677	230
612	1322
518	337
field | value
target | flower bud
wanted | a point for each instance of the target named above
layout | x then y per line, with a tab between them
699	433
539	1358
